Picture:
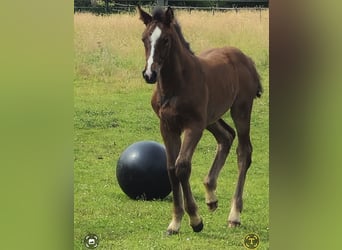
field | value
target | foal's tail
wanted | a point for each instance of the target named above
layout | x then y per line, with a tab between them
260	89
256	78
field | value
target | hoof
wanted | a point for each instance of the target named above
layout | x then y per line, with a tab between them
171	232
234	223
212	206
198	228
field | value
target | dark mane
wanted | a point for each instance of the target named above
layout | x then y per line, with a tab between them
158	15
181	37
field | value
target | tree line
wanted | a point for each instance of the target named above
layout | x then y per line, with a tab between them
208	3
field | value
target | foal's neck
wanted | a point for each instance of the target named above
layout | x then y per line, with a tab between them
175	69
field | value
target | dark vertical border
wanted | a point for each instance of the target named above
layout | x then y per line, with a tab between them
305	124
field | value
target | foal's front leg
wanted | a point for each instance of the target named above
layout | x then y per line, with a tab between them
183	171
172	143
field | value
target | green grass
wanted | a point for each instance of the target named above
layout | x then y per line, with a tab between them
112	111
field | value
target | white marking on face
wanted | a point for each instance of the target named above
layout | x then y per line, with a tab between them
153	39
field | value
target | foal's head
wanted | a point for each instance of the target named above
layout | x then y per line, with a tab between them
161	30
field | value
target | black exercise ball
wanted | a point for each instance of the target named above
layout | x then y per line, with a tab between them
141	171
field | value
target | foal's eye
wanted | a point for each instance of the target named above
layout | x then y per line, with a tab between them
144	39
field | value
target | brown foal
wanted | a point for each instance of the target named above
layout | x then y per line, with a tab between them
192	94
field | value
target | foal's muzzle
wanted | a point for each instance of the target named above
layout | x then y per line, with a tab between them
150	79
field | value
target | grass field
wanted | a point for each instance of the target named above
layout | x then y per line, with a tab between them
112	111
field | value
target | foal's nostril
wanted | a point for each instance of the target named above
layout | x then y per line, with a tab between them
150	78
143	73
153	77
145	76
154	74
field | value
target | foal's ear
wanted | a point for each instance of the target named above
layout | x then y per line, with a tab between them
145	17
168	16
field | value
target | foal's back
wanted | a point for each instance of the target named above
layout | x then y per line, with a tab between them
229	74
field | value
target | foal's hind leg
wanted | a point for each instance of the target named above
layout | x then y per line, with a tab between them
224	136
241	116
